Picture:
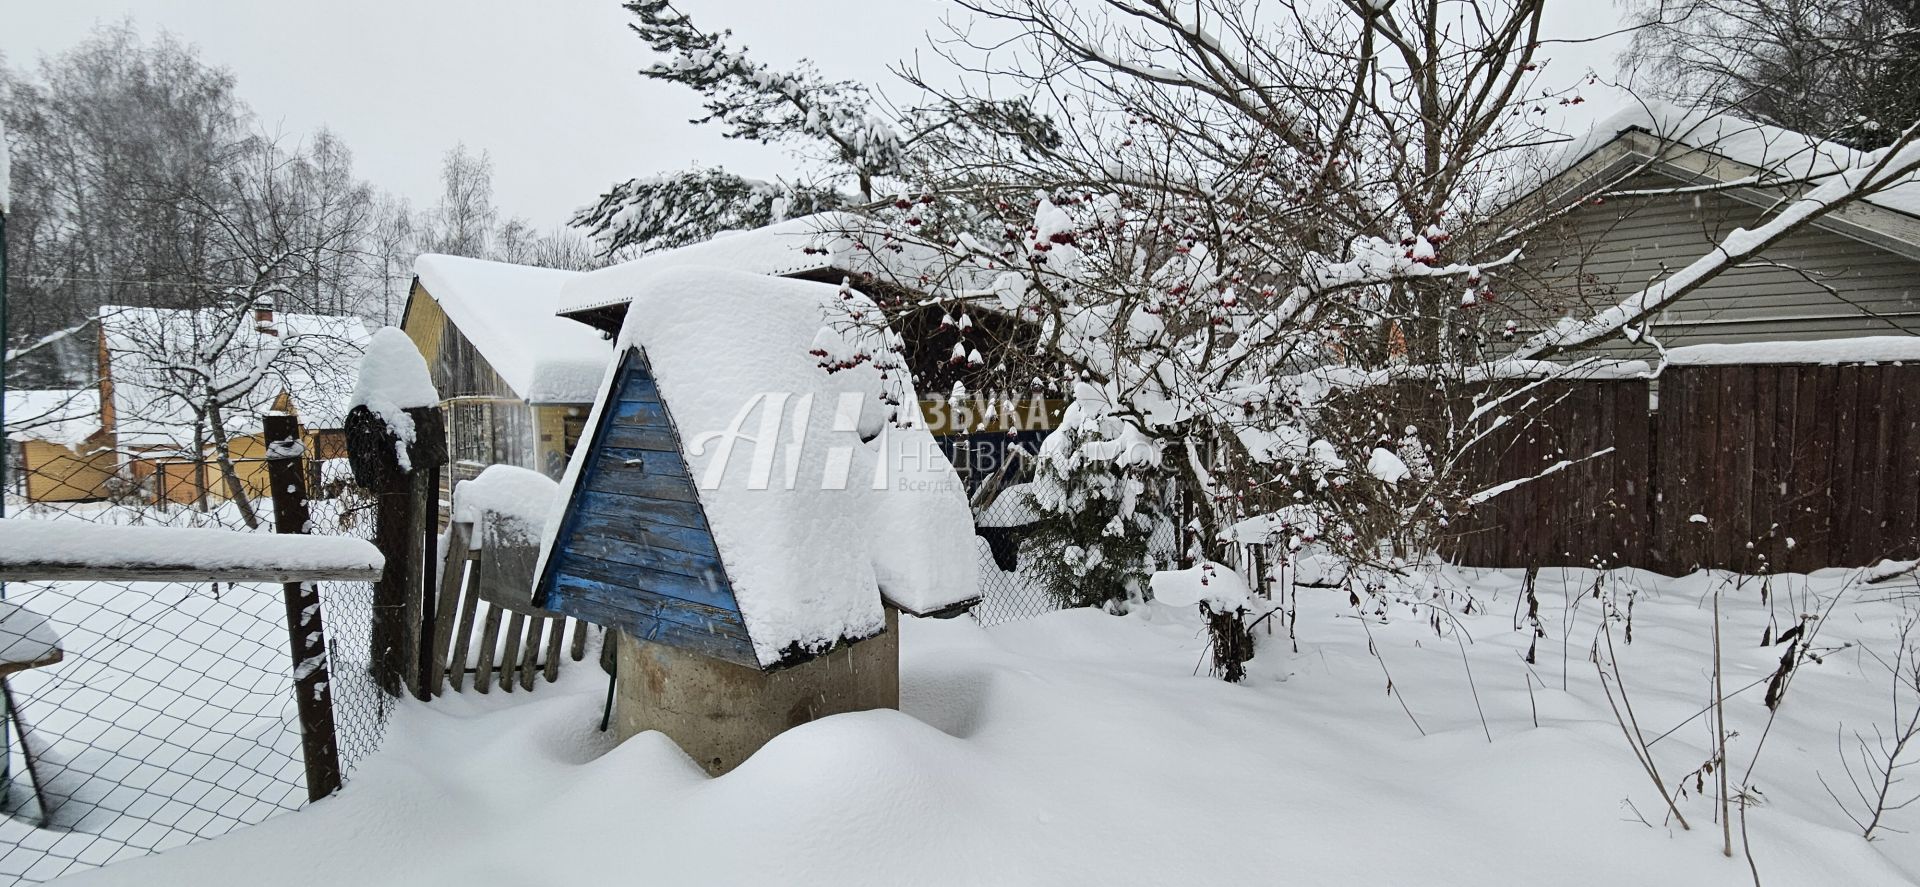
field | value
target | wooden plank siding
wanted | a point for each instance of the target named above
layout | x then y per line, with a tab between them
57	473
1815	284
636	551
1756	468
488	423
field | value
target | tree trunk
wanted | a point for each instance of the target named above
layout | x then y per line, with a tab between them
199	468
236	490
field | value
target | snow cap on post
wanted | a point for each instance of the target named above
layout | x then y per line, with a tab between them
393	421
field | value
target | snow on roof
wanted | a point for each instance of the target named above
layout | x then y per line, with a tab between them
1862	349
827	241
730	351
155	359
922	527
507	312
1780	153
66	416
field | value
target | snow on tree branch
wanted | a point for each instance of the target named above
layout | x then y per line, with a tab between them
677	209
758	103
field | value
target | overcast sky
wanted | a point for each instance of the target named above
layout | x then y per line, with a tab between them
547	86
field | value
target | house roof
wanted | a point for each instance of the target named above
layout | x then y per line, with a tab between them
152	356
1697	146
823	246
67	358
507	312
66	416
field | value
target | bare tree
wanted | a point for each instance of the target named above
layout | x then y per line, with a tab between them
1844	69
462	223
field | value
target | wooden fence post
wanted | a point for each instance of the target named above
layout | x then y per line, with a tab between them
306	635
425	520
404	517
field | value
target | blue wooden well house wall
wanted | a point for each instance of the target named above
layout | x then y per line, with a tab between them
634	549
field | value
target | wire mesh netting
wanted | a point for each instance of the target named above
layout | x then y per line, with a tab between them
1006	593
170	716
1008	590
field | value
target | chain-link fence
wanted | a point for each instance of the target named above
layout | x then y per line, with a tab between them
1008	590
169	717
1006	593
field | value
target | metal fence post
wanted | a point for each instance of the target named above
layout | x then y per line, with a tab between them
306	636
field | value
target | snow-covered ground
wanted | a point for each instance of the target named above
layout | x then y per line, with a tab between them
1082	748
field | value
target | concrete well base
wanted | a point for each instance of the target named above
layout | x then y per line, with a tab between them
720	713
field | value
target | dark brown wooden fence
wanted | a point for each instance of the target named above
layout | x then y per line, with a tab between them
1592	510
1781	468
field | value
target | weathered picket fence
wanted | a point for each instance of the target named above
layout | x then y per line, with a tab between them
485	585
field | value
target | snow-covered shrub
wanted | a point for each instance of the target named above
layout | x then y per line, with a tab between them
1093	491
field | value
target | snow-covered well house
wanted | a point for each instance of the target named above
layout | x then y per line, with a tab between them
516	380
749	521
1654	188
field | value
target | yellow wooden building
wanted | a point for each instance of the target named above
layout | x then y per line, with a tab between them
517	381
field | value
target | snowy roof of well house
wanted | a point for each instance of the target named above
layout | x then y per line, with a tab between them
508	312
1718	148
684	522
153	358
826	247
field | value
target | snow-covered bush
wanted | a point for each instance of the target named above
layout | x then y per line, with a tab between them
1094	490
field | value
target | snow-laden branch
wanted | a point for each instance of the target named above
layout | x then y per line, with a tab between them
1509	486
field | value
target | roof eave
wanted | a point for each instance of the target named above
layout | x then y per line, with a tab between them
1636	149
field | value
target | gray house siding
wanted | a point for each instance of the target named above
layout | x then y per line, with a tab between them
1816	284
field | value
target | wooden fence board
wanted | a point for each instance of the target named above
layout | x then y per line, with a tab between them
1825	456
1870	506
1904	486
